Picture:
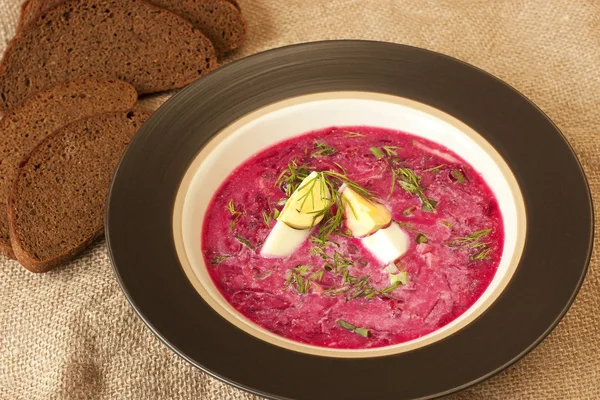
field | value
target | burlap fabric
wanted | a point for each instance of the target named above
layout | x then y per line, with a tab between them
70	334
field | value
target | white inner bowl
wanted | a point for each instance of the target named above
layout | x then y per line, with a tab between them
286	119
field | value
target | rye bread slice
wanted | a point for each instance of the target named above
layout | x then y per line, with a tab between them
56	206
43	113
147	46
220	20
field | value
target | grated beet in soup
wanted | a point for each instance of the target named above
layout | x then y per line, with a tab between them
331	291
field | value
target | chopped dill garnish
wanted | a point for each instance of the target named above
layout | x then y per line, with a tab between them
354	287
247	243
412	184
235	213
263	276
391	150
275	213
435	169
447	224
341	262
281	202
408	226
322	149
318	251
458	175
299	278
408	212
353	134
320	242
422	238
348	326
219	259
482	255
474	241
290	178
402	279
376	152
267	218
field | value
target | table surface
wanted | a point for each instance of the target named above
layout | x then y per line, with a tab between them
70	334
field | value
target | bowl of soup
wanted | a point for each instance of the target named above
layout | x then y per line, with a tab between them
350	219
349	224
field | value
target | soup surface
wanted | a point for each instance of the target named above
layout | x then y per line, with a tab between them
331	291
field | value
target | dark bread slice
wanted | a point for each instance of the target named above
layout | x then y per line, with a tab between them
31	9
56	206
220	20
144	45
43	113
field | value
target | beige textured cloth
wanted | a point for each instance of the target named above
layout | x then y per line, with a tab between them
70	334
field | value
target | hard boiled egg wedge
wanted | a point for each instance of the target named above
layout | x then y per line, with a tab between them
372	222
299	215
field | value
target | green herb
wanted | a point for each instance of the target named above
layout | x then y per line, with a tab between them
297	276
316	276
346	325
376	152
340	262
320	242
412	184
347	233
275	213
263	276
353	134
282	202
291	177
408	226
390	150
267	218
429	205
303	269
482	255
359	331
447	224
422	238
322	150
318	251
362	332
247	243
409	211
435	169
236	214
346	276
218	259
472	241
341	168
458	175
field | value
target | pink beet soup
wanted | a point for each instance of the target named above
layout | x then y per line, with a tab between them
331	291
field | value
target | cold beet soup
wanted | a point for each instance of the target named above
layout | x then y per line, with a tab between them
353	237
